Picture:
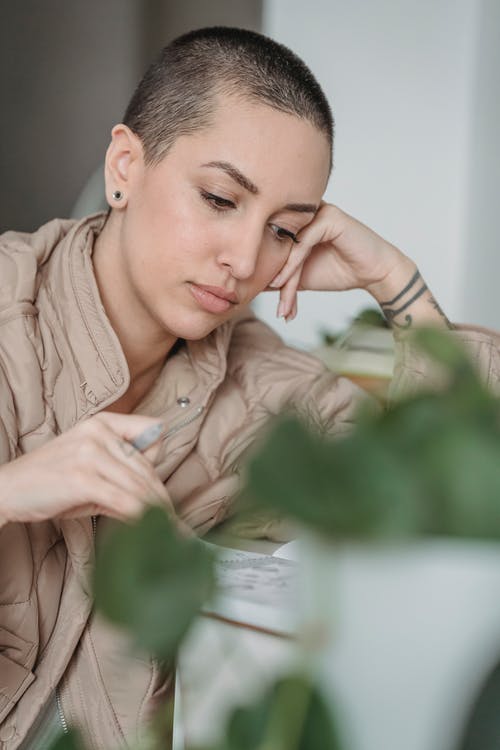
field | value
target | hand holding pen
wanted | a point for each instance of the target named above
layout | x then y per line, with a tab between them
102	466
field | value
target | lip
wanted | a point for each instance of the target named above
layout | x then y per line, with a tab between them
214	299
219	291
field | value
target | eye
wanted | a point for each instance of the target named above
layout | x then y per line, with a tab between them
216	202
282	234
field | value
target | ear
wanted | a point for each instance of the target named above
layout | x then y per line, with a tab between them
124	164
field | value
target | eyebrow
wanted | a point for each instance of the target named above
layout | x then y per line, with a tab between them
236	175
303	208
247	184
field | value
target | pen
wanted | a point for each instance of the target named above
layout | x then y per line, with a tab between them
147	437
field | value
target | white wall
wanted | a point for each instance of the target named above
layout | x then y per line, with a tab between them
480	289
400	77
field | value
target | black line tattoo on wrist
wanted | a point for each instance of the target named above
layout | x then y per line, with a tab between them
416	276
391	313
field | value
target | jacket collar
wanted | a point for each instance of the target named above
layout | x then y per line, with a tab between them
95	351
95	365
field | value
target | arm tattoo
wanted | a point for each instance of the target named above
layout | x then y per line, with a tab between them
391	313
439	309
407	288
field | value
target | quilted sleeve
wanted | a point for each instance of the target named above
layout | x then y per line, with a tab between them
8	428
413	371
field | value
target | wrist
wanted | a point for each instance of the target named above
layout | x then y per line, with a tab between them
406	300
388	288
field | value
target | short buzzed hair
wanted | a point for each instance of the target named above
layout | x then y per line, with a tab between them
177	95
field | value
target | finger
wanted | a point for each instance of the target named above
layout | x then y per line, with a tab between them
152	453
125	482
128	465
119	478
117	461
112	500
92	509
293	313
128	457
148	441
296	258
128	426
288	294
151	450
313	234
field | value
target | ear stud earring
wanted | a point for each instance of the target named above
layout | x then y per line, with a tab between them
117	195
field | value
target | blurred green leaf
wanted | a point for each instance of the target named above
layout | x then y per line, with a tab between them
371	316
69	741
152	581
428	465
443	348
291	715
342	489
328	338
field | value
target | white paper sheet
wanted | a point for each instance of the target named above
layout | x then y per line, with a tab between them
255	590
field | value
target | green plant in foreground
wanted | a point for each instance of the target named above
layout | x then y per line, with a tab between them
69	741
368	317
426	466
291	715
152	581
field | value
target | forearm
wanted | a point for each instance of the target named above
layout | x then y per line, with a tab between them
406	300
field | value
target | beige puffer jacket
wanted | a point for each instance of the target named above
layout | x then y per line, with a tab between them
60	362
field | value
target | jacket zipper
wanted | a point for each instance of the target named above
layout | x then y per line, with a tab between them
184	423
179	426
60	712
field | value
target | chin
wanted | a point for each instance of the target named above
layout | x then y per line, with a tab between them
194	330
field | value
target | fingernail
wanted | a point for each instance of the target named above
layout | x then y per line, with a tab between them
281	310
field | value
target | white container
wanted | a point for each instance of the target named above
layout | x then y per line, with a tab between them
401	637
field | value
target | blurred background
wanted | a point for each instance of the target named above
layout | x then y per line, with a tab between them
415	90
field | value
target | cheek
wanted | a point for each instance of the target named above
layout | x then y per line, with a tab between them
170	234
272	263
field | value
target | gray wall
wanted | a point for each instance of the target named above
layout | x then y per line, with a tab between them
482	263
401	79
67	70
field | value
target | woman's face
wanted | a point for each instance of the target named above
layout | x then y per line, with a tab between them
205	230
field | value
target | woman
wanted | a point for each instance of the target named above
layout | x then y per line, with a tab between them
139	318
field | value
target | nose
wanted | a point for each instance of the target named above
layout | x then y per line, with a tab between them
240	254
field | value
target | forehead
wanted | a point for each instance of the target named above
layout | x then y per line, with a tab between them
277	151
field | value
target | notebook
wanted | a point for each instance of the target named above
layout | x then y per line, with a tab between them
255	590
